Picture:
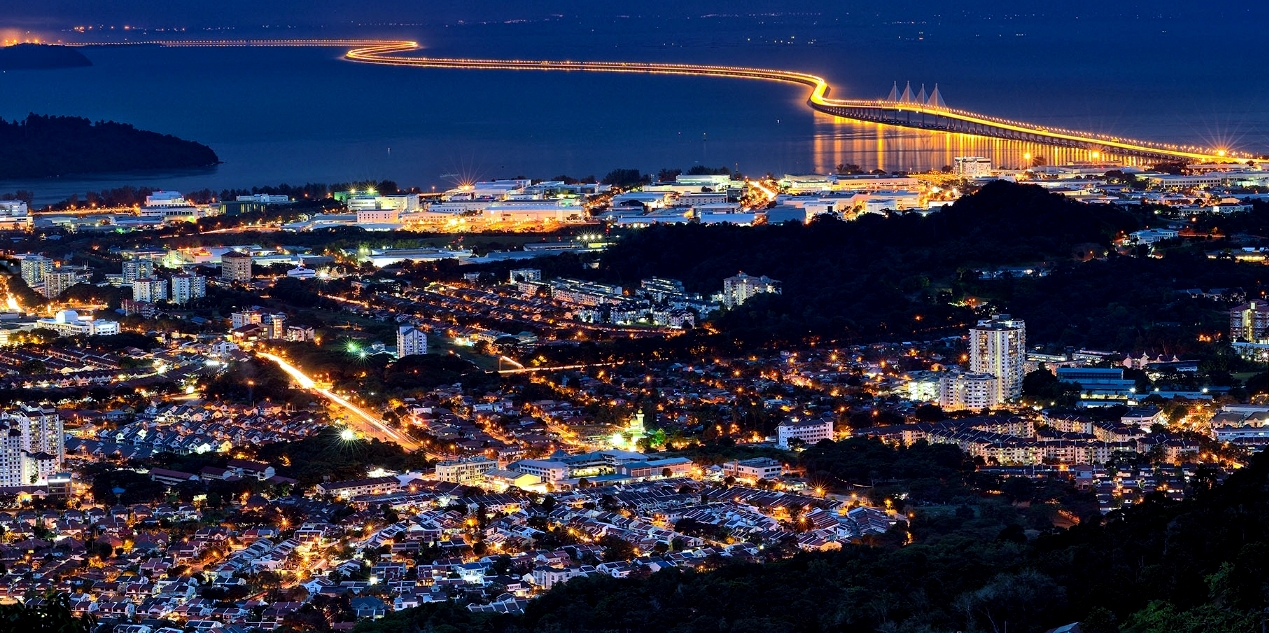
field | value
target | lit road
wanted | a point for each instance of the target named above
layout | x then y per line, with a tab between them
533	370
368	424
905	113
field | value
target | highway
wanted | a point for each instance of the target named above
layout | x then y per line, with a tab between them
360	419
901	113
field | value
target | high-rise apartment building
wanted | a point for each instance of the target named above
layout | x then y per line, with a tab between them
134	269
968	391
187	287
149	289
1249	322
411	341
997	347
34	268
739	289
235	266
58	281
32	445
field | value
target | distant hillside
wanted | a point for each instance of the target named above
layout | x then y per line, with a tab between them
41	57
42	146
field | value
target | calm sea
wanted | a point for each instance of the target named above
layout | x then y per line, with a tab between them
304	115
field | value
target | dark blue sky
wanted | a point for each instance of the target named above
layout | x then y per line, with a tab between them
57	14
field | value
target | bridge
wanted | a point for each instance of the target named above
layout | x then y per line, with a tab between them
906	111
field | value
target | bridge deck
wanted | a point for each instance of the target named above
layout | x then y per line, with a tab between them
909	114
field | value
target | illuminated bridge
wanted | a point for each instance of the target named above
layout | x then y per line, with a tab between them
905	111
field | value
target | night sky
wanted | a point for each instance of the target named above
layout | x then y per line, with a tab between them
56	14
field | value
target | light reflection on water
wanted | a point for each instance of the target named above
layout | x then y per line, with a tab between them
838	141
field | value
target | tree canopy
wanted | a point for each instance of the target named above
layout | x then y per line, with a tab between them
41	146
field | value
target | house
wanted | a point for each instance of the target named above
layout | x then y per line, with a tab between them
368	607
216	472
249	468
547	577
349	489
171	477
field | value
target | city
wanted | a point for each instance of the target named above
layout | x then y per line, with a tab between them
1027	389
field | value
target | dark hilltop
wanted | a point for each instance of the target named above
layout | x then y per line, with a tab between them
41	57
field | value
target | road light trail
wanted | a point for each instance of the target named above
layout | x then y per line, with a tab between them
367	419
401	53
533	370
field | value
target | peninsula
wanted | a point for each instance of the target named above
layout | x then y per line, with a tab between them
41	57
42	146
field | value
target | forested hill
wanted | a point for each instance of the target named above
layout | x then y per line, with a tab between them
1003	223
903	277
1199	566
40	57
41	146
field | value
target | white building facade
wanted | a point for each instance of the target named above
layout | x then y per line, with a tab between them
187	287
411	341
810	432
997	347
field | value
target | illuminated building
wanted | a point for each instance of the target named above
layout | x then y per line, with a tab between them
1249	322
370	202
34	268
751	470
630	436
526	274
968	391
378	216
188	287
275	326
14	216
69	323
742	287
169	205
971	166
134	269
809	431
469	472
235	266
149	290
58	281
300	272
924	387
997	347
548	471
246	317
411	341
295	333
32	445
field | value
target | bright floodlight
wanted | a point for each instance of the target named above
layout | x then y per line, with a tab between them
347	435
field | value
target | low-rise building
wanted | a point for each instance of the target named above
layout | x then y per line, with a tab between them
809	432
70	323
469	472
752	470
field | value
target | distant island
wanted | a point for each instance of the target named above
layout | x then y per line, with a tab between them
42	146
41	57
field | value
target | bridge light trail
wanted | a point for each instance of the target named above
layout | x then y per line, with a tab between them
399	53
